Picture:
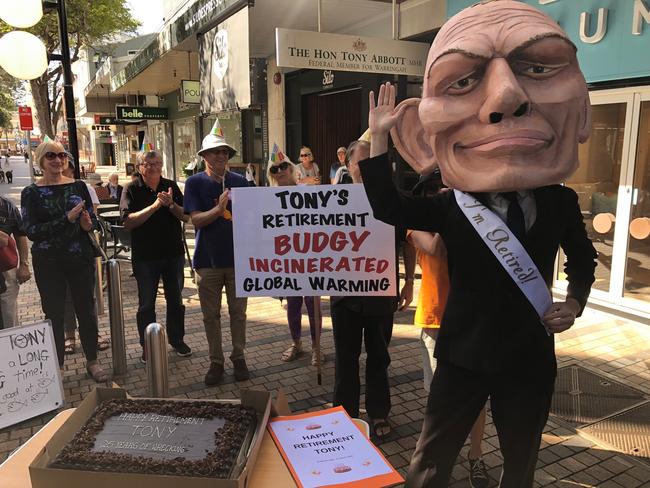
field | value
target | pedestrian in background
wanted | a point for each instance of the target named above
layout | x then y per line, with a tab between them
114	188
11	229
9	174
339	163
307	172
282	173
207	201
152	209
57	217
369	320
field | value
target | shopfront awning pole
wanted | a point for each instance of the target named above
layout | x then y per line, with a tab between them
395	26
319	13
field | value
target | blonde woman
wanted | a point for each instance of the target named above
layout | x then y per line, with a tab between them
307	171
57	217
283	173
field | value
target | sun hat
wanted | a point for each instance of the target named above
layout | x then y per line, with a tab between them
216	139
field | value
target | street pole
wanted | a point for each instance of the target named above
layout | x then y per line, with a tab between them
68	95
29	155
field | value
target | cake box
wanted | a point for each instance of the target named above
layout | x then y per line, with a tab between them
43	476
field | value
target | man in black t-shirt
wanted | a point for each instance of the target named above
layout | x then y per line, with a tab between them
152	209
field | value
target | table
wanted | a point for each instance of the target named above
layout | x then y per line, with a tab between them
112	216
270	469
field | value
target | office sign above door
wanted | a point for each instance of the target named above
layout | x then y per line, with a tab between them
314	50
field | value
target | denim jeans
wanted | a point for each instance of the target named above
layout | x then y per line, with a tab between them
147	275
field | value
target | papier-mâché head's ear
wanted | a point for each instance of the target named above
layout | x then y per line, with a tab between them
410	139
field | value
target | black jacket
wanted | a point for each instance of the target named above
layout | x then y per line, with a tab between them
488	323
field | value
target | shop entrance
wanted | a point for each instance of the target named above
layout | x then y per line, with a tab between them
613	186
333	119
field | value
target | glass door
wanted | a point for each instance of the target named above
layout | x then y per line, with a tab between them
599	183
637	257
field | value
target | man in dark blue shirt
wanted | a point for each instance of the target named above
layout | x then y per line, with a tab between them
206	200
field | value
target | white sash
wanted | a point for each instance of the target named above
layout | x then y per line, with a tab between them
508	251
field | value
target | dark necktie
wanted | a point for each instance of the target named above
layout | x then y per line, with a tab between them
515	221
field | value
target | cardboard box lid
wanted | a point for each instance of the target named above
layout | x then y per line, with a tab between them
44	477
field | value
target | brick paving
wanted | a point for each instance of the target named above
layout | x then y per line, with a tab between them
601	342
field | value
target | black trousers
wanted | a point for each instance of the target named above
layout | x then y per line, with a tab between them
350	329
520	404
51	275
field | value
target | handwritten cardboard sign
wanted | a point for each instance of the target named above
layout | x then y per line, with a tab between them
310	241
326	449
30	384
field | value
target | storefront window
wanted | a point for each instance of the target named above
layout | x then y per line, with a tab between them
185	146
637	269
596	183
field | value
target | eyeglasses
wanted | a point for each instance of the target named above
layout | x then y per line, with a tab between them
306	155
280	167
52	155
151	164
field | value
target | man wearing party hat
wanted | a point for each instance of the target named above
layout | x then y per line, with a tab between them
207	201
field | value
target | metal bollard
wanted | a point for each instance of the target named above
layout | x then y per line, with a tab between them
116	317
155	343
99	289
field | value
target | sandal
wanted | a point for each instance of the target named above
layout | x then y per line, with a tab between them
379	428
103	343
314	357
292	352
96	372
70	346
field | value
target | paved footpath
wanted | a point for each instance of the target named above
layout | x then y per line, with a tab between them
600	342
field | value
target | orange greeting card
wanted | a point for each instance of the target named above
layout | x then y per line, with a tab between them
326	449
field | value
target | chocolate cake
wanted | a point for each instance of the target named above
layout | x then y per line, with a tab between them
198	438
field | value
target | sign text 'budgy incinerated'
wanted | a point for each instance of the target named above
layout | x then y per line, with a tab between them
302	241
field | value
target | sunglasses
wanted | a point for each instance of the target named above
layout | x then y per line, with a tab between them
52	155
280	167
306	155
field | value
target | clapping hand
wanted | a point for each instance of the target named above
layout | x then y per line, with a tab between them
85	221
166	198
73	214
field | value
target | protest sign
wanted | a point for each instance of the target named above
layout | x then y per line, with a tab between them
326	449
310	241
29	373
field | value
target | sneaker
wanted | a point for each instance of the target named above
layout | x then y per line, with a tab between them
182	349
241	370
143	358
478	477
214	374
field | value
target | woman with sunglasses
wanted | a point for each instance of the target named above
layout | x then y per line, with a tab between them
283	173
57	217
307	172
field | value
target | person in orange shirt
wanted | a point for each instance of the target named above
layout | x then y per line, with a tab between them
432	298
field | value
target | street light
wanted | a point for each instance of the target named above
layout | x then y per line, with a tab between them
23	55
22	14
19	13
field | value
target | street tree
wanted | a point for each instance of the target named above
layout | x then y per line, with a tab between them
90	23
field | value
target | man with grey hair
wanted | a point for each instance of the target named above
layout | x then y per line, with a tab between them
152	209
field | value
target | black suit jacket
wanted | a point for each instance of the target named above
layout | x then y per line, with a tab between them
488	323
